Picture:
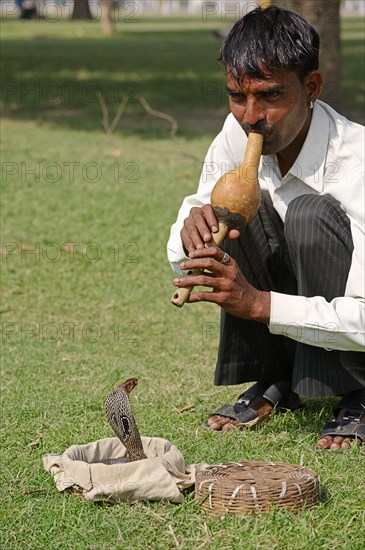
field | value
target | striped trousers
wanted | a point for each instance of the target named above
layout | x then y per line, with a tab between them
309	255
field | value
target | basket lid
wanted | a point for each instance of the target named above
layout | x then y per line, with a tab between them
257	486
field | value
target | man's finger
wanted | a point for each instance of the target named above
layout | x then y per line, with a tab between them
204	263
210	217
197	227
210	296
187	242
233	234
211	252
204	279
192	234
203	228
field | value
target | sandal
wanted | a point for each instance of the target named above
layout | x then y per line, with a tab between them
349	426
247	417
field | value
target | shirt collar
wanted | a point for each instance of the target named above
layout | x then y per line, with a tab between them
310	163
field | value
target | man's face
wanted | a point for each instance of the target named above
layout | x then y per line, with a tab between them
277	107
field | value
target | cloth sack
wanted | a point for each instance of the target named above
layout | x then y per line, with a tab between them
163	475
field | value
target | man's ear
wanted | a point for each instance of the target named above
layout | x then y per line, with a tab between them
313	83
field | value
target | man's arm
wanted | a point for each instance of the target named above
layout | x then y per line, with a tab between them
343	319
339	324
226	151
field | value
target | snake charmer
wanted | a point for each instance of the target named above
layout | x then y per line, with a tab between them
290	283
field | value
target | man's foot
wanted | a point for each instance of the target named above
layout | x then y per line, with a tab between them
349	426
260	405
254	406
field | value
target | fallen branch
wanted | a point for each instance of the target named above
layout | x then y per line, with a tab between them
109	128
104	110
185	409
119	113
159	114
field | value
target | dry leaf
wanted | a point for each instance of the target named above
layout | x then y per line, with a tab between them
185	409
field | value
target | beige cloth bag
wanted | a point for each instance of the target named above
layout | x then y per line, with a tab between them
163	475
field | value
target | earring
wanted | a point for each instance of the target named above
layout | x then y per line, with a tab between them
311	105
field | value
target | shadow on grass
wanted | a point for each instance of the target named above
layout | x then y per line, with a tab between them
313	415
177	73
56	79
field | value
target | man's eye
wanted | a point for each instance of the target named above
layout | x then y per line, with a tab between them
271	95
236	96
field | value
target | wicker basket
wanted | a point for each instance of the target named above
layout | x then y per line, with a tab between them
256	487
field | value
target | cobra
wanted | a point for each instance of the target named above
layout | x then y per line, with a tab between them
121	419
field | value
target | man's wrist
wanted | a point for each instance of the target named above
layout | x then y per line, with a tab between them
261	307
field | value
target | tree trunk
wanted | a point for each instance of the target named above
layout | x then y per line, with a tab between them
107	25
81	10
324	15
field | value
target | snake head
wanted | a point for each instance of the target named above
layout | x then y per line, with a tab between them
129	384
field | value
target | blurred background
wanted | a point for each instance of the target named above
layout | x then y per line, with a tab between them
59	54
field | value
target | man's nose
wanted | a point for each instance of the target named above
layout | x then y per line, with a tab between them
254	112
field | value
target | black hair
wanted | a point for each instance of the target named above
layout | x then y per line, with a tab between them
266	40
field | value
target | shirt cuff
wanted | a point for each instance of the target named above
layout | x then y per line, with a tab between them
175	258
287	315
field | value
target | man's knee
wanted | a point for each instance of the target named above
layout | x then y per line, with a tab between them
319	243
307	210
311	219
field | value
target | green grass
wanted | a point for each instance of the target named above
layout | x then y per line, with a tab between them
102	314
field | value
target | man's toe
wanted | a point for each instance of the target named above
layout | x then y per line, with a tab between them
217	422
212	420
229	426
324	442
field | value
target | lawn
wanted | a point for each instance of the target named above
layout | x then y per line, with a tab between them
79	318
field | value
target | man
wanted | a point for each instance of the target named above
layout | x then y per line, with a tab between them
291	282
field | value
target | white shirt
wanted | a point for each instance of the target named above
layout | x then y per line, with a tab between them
331	161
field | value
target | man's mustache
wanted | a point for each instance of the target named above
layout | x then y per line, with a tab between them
260	128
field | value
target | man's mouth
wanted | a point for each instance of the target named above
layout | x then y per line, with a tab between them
260	128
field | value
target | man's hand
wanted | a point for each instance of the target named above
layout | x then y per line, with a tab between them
198	228
230	289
